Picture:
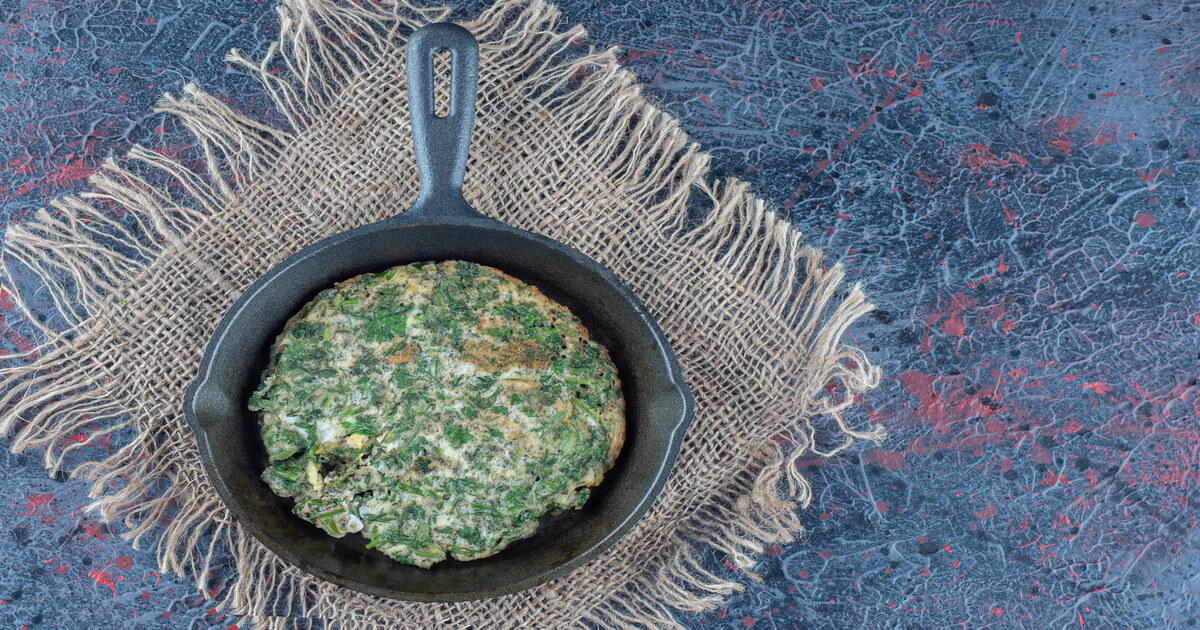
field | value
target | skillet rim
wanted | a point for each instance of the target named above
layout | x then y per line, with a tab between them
453	214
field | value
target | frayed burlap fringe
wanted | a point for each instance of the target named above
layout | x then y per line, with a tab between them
565	146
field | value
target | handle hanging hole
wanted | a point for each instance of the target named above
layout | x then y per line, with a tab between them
442	61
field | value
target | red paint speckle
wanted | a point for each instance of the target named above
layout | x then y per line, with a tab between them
1065	125
124	563
1143	219
32	501
987	512
60	569
882	507
70	172
1062	145
113	71
825	554
890	461
748	621
1104	137
93	529
816	83
976	157
103	579
803	575
1151	175
918	384
954	326
924	571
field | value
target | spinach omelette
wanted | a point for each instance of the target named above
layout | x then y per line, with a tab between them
438	409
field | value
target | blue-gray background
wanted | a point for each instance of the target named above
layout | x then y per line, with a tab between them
1014	182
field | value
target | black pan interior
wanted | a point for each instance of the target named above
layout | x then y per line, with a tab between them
658	407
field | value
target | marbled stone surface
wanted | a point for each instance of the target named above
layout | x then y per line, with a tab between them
1014	182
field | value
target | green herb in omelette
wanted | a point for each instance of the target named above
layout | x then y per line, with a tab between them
437	409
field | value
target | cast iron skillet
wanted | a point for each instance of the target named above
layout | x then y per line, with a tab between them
440	225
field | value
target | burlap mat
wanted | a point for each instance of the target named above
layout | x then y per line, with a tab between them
565	145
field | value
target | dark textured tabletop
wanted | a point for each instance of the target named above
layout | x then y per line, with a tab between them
1016	187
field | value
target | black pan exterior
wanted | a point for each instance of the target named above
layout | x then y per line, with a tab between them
440	226
659	407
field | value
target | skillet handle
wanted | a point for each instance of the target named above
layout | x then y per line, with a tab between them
442	143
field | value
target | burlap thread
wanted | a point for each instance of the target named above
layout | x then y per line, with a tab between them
566	146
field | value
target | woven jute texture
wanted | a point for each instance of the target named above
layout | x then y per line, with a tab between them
143	267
